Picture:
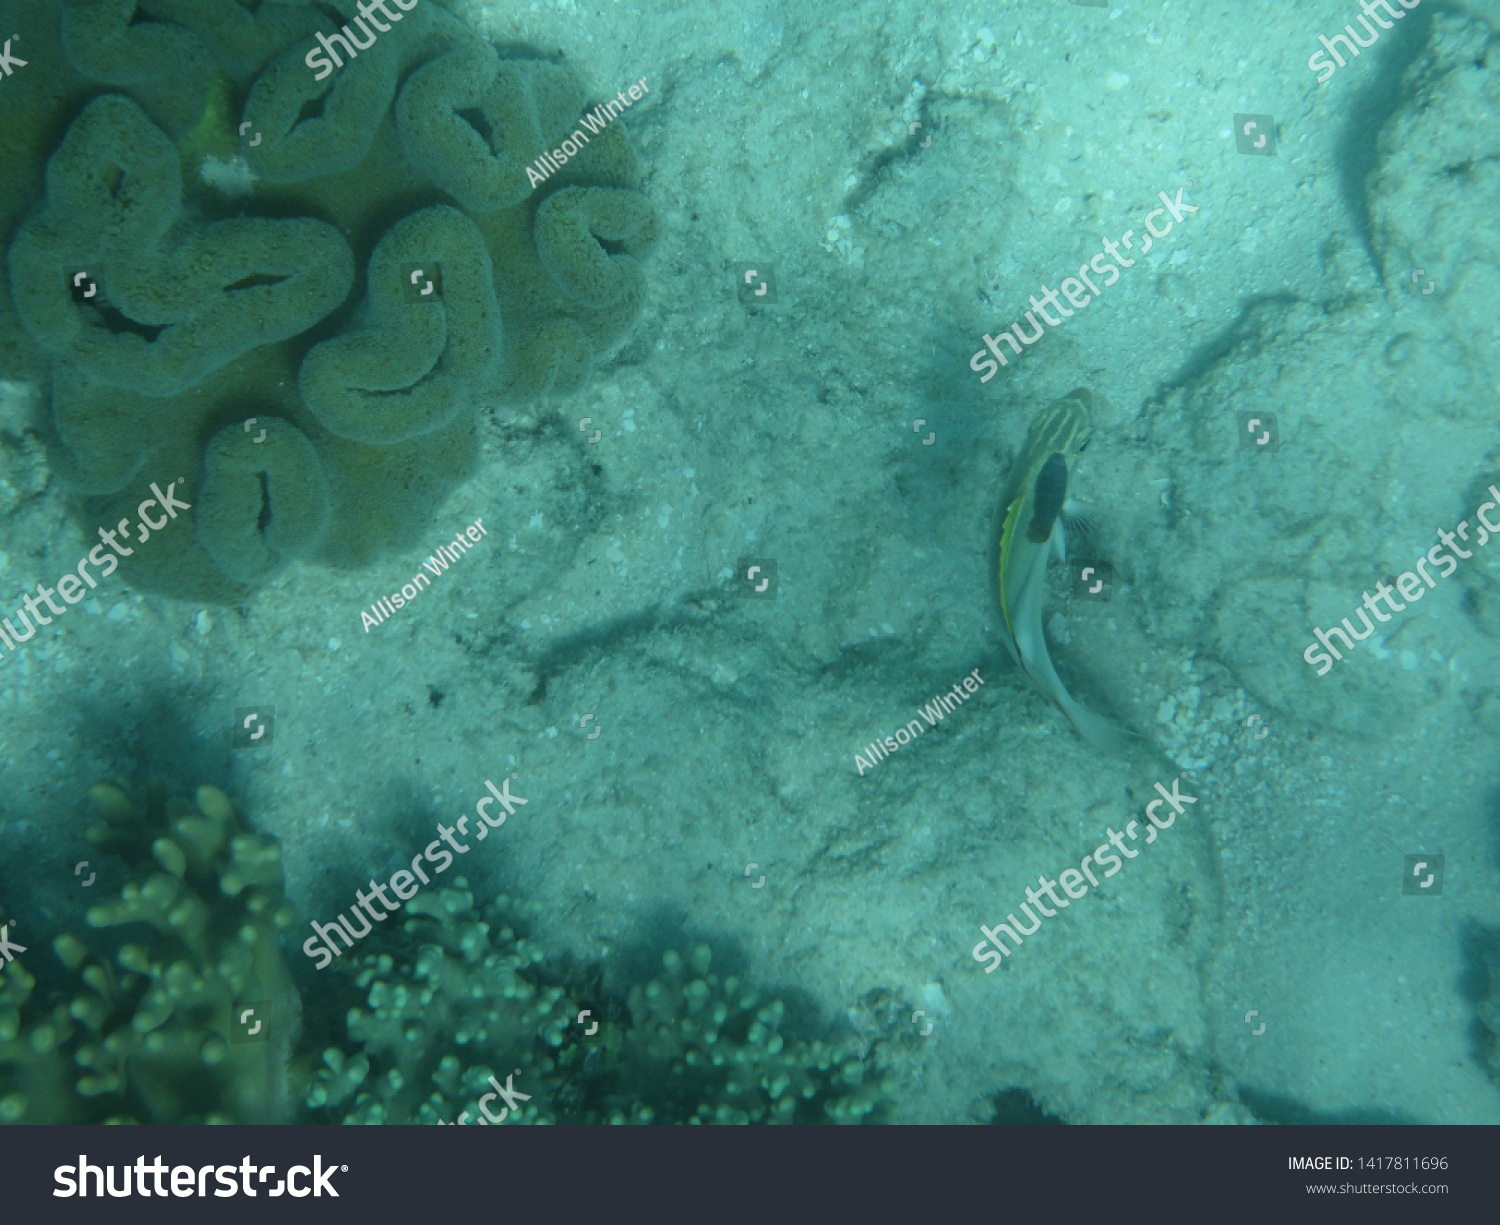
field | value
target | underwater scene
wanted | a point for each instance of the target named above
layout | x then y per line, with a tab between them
862	563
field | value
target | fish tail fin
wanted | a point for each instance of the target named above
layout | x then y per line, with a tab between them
1098	731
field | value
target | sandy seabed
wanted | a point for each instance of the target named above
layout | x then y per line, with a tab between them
911	174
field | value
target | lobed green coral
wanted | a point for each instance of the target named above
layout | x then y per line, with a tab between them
457	1009
455	1002
252	242
149	1036
199	295
35	1080
701	1049
475	1003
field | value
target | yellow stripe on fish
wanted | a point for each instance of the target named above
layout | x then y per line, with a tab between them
1030	528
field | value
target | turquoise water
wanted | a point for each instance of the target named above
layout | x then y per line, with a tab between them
530	491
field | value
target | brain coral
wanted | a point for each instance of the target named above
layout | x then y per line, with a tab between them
201	231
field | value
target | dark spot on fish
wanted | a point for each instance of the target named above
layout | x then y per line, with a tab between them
1050	494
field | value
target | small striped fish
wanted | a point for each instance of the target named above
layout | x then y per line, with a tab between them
1029	527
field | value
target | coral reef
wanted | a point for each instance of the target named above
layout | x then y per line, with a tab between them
219	234
438	1024
474	1003
151	1037
114	195
36	1084
455	1003
701	1049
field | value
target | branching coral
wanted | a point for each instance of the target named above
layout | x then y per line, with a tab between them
475	1003
702	1049
152	1035
455	1003
167	314
439	1024
35	1073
